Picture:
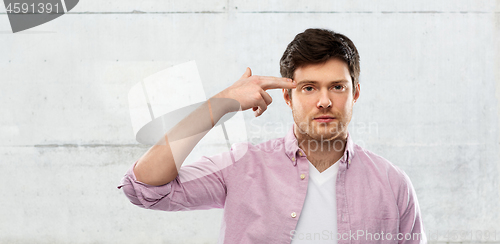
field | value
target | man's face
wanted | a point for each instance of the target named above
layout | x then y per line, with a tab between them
323	100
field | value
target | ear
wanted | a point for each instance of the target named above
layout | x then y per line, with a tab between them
356	95
287	98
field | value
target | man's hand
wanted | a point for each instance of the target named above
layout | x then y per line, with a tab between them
161	163
250	91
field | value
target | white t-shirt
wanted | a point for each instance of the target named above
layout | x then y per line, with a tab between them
318	218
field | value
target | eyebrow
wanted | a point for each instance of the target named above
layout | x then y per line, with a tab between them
315	82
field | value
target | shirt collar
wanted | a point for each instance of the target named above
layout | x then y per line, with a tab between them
293	150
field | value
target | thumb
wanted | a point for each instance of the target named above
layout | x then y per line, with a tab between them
248	73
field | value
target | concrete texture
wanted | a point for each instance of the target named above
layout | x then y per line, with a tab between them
430	103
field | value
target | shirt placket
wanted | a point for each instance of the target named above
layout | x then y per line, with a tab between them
302	178
343	225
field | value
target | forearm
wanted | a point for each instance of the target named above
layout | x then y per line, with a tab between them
160	164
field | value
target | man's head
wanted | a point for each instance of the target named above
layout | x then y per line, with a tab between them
314	46
325	66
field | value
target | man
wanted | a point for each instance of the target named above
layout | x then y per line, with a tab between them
312	186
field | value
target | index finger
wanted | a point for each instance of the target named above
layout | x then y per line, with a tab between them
271	82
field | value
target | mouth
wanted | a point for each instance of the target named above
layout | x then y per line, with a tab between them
324	119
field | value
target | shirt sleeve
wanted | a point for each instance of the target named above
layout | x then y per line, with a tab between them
199	185
411	229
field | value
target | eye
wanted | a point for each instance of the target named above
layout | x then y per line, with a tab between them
339	88
307	88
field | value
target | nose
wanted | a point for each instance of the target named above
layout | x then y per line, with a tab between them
324	101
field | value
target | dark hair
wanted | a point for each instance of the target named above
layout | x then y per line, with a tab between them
314	46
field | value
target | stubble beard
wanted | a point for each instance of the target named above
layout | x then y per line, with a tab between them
320	132
322	136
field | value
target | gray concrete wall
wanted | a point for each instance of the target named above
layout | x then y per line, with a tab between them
430	90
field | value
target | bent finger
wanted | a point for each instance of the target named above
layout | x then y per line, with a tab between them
262	107
267	98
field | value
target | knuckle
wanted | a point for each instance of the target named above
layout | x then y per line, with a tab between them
256	96
270	99
257	79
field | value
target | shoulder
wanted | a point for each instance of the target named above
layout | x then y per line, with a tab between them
245	150
381	170
380	178
271	146
377	165
372	160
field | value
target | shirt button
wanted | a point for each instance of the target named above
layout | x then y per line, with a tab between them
300	153
293	215
302	176
293	158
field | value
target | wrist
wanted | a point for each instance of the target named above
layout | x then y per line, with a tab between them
220	105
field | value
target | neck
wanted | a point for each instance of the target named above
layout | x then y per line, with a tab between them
321	153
